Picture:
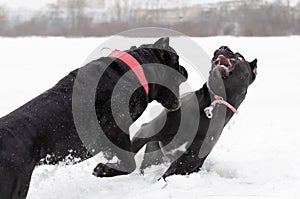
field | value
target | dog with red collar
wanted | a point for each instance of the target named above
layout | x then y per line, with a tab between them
46	131
217	102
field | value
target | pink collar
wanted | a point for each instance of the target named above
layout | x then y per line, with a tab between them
218	100
134	65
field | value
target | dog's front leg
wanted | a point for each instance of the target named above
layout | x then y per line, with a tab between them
186	164
124	167
15	180
126	163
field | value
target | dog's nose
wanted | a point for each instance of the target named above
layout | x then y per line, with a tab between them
225	48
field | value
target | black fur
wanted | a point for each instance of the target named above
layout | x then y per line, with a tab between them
45	125
234	82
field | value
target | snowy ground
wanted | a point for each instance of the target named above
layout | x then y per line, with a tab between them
256	157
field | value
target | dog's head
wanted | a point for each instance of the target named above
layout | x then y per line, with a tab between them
162	53
231	73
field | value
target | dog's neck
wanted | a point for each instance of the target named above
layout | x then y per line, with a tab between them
230	98
148	70
208	96
153	88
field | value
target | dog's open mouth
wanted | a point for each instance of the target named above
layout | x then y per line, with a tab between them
225	64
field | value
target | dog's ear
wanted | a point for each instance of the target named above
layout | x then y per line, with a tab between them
133	48
162	43
253	66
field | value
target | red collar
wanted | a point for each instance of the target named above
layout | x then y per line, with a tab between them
134	65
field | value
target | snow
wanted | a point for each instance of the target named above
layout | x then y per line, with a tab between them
257	155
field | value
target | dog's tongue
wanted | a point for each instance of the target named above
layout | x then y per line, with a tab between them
223	65
222	60
227	62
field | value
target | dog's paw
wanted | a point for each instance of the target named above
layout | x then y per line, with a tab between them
107	170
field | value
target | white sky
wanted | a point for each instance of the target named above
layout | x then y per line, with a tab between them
36	4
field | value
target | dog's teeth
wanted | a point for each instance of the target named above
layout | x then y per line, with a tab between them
229	62
217	61
240	58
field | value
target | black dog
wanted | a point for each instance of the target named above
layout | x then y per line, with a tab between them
230	77
44	128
